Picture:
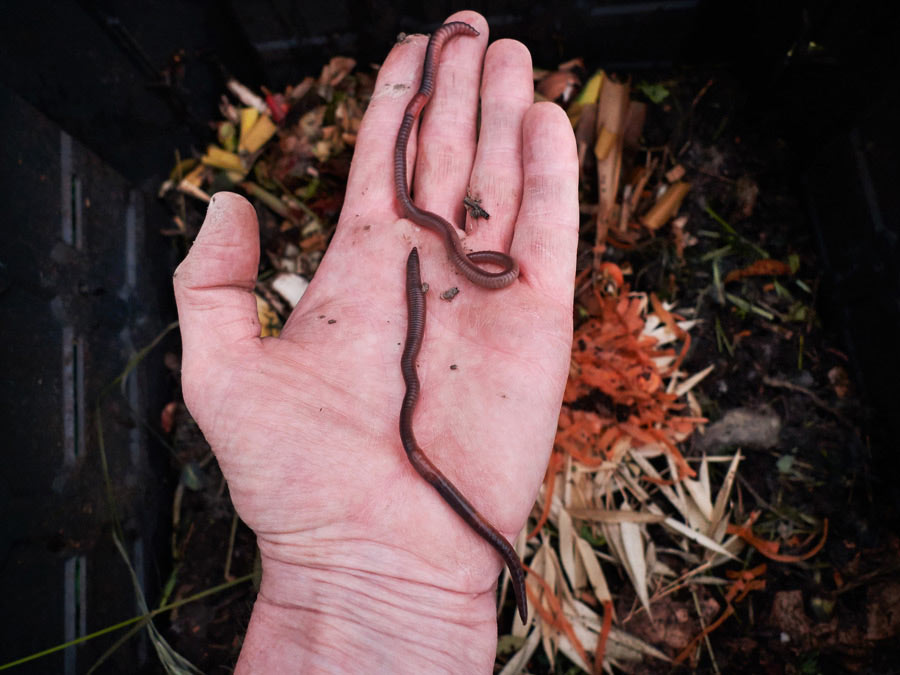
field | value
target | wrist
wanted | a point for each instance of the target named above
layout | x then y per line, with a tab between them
343	614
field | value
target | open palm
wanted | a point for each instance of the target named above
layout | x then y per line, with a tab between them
304	426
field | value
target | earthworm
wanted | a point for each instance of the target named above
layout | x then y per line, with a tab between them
415	330
467	263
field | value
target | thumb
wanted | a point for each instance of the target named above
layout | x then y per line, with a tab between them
216	308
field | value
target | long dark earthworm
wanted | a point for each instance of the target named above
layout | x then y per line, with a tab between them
464	262
415	330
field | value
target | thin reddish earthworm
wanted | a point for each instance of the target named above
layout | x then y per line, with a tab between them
464	262
415	330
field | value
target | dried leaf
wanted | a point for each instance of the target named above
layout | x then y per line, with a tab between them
246	96
609	516
666	206
770	548
222	159
558	85
594	571
701	497
697	537
333	72
633	547
590	92
567	543
675	174
249	115
258	135
635	645
722	497
693	381
518	662
622	646
269	323
189	188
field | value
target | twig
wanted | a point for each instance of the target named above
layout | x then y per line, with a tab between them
234	522
868	578
743	481
706	640
702	93
784	384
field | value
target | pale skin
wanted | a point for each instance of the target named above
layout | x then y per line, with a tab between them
365	568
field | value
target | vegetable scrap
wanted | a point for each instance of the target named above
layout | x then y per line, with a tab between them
618	356
765	267
770	548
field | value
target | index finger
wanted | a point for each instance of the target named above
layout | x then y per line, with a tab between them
370	183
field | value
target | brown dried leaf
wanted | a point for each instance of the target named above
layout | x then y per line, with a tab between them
634	559
609	516
558	85
718	513
594	571
336	70
666	206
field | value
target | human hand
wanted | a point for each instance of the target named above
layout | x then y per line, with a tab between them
363	563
